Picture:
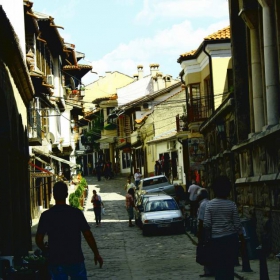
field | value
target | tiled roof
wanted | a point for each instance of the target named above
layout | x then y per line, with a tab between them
188	53
220	34
113	96
79	66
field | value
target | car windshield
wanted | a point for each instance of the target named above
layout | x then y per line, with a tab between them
154	181
161	205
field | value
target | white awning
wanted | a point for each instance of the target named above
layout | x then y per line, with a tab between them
71	164
105	139
37	158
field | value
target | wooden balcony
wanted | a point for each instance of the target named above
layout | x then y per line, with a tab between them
199	110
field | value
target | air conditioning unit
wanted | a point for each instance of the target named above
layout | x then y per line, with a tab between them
171	145
50	80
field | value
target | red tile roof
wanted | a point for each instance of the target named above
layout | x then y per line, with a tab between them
219	35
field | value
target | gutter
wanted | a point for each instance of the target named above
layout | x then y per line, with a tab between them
211	72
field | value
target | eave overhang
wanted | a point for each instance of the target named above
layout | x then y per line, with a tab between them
12	56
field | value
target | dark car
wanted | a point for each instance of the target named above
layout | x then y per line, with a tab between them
156	184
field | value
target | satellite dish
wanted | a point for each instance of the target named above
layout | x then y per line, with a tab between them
72	83
50	138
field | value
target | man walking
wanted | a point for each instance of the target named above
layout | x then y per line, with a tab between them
193	189
137	177
63	224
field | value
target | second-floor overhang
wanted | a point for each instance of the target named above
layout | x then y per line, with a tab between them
174	135
78	70
11	54
49	33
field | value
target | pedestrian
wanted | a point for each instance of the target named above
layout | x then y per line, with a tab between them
107	170
129	203
129	185
97	204
63	224
193	189
222	223
98	169
137	177
180	197
157	168
202	198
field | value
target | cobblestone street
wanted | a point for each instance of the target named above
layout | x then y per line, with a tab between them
126	253
129	255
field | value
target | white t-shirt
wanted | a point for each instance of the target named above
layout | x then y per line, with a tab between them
137	176
129	186
193	189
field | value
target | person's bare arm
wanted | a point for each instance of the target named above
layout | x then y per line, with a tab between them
92	244
39	239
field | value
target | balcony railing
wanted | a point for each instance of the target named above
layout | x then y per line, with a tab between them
199	110
35	129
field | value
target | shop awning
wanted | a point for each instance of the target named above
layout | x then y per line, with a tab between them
71	164
37	158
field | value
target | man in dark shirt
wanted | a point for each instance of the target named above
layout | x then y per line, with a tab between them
63	224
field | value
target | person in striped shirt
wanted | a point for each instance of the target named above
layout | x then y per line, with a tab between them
222	222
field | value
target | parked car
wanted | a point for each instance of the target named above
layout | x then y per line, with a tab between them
156	184
161	212
140	199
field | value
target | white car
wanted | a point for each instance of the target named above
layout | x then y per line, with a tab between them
161	212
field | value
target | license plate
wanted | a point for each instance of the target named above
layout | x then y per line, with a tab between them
164	225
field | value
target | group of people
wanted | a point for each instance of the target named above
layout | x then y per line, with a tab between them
104	168
219	228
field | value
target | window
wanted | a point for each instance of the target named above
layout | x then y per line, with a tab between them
126	160
195	100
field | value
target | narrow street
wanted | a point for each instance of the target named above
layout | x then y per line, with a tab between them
126	253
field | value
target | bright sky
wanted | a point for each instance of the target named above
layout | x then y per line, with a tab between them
118	35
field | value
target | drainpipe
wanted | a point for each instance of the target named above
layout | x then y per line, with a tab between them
270	63
211	75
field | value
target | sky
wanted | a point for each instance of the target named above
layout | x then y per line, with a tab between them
118	35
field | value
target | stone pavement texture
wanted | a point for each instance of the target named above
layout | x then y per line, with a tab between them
129	255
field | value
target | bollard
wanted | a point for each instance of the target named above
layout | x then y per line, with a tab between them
188	226
278	257
194	227
245	257
191	224
262	264
236	261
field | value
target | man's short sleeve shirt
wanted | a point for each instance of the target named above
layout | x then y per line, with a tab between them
63	224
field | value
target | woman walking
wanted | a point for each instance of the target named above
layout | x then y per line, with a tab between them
129	203
97	203
222	223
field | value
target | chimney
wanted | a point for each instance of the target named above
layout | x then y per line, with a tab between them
167	80
136	77
107	73
140	71
160	81
154	69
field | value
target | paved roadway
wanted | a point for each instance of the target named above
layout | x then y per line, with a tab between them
129	255
126	253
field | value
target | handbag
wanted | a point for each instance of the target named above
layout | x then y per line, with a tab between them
205	253
103	211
